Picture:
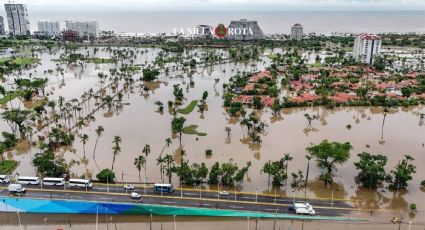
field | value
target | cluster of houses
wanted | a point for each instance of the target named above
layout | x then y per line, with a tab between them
344	90
255	87
303	90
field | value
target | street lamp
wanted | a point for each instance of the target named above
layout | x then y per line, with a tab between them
256	194
293	199
306	177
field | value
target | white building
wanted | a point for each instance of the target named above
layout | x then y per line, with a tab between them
17	19
297	32
2	31
84	28
366	47
49	28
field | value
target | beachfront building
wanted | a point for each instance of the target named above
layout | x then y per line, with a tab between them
244	30
204	31
17	19
366	47
2	31
297	32
87	29
49	28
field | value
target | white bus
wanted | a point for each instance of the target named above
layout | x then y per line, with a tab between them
80	183
167	188
53	181
28	180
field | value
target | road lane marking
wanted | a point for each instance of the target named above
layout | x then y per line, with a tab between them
190	194
233	206
168	202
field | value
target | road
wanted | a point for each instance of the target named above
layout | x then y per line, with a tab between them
186	197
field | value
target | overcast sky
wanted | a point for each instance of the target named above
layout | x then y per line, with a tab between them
226	5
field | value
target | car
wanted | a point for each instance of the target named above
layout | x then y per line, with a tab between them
305	211
223	193
129	187
16	188
4	179
136	196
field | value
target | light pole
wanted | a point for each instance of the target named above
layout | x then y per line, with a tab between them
175	225
256	194
19	219
293	199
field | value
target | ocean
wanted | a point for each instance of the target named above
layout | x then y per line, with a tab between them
270	22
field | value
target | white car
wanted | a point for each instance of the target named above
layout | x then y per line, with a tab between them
305	211
223	193
135	195
129	187
16	188
4	179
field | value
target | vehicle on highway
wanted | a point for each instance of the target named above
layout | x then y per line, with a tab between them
136	196
83	183
28	180
16	188
52	181
224	193
302	209
129	187
167	188
305	211
4	179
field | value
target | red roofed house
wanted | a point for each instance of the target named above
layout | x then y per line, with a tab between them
260	75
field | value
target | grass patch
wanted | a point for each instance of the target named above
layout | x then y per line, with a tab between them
189	108
317	64
191	130
101	60
21	60
8	98
8	166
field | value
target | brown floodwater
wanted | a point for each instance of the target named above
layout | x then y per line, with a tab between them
138	123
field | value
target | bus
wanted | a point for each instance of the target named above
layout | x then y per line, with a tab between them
28	180
167	188
80	183
53	181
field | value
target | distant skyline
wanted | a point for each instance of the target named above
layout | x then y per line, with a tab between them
225	5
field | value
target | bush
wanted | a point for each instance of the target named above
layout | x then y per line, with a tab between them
413	208
423	183
208	152
106	175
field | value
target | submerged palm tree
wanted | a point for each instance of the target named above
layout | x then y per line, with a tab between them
140	162
116	149
99	130
146	150
84	138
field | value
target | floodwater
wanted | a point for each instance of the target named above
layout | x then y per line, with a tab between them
138	123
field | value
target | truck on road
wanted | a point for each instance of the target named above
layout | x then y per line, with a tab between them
16	188
302	209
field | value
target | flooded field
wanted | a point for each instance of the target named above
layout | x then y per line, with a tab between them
138	123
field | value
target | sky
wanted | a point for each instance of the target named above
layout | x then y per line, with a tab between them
225	5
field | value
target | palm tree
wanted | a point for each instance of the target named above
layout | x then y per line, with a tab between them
99	130
146	150
177	125
228	131
169	160
140	162
286	158
159	161
84	138
116	149
168	142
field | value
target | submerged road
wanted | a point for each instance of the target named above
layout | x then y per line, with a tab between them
185	197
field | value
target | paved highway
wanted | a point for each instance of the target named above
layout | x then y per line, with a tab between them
185	197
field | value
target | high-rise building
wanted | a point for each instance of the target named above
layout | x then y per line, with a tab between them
366	47
49	28
244	30
84	28
297	32
2	31
17	19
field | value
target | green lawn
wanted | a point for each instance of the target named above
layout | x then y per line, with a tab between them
7	166
189	108
101	60
7	98
21	60
191	130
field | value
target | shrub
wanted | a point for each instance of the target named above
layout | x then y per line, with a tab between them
106	175
423	183
208	152
413	207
